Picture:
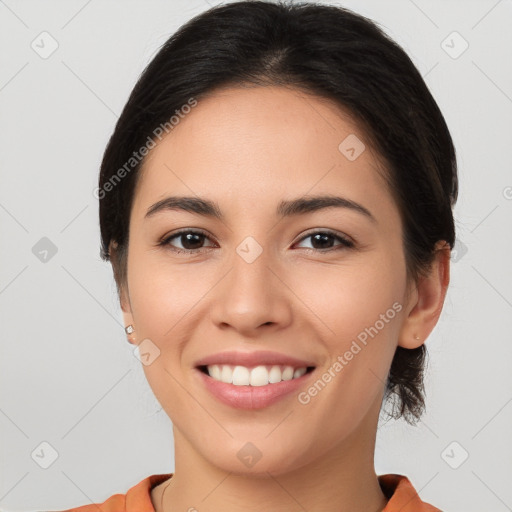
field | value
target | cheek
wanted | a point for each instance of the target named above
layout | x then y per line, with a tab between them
346	300
167	306
357	311
163	295
362	311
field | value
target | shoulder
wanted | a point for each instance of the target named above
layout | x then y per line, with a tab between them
136	499
402	495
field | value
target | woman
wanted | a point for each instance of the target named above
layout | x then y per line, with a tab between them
276	201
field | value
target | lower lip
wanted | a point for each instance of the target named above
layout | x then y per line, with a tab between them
252	397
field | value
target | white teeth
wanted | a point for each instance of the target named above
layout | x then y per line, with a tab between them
287	373
274	375
214	371
241	376
257	376
299	372
226	374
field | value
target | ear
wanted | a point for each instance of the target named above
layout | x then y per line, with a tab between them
426	300
127	312
124	298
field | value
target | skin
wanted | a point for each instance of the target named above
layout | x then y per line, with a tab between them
248	149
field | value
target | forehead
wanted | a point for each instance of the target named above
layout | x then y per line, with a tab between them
249	145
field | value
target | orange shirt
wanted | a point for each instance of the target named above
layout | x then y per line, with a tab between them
397	488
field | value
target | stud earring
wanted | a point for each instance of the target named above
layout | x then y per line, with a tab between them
416	337
129	329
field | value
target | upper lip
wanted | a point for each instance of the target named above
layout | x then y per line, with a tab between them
254	358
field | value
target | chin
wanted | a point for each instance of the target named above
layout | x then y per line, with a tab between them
256	459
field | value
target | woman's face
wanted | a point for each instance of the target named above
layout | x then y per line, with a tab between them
263	281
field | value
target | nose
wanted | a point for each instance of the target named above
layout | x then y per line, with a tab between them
252	296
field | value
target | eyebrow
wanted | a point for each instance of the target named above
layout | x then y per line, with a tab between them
299	206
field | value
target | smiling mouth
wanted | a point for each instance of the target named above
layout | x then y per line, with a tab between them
261	375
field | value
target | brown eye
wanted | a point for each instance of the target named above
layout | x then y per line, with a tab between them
191	241
322	241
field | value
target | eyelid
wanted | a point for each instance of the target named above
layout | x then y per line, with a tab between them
198	231
346	240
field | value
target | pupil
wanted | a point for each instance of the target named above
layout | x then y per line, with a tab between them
189	240
323	237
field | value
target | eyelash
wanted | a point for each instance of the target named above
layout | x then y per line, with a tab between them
345	243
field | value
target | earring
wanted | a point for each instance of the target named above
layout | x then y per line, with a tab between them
416	337
129	329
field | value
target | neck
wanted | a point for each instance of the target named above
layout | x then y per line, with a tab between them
344	478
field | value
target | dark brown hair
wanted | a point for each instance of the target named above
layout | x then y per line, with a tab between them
332	53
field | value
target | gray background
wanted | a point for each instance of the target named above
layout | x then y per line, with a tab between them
69	378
